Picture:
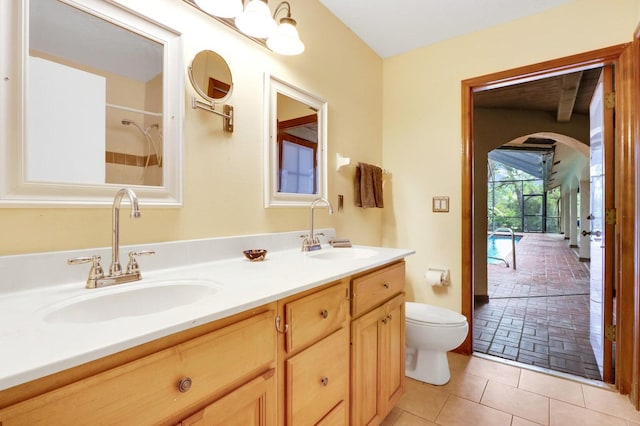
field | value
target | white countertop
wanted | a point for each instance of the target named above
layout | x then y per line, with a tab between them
33	347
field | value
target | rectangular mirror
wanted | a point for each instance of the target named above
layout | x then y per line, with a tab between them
94	103
295	145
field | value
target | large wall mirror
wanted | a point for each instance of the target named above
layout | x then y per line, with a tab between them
295	145
94	103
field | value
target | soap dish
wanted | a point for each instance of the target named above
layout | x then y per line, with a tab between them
255	255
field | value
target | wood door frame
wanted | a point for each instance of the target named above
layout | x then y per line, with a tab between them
625	119
630	354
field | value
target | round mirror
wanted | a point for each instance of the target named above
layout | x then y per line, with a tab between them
210	76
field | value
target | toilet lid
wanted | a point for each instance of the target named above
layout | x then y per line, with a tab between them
420	313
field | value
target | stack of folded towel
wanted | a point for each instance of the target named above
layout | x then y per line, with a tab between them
368	186
340	242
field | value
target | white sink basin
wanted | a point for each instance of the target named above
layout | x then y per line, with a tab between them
342	254
131	300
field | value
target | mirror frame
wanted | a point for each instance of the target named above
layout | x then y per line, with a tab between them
15	191
199	90
272	198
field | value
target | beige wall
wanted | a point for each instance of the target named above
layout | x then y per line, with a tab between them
422	122
223	172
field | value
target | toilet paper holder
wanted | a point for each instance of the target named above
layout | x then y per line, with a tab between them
443	273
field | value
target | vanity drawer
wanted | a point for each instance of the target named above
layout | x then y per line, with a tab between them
146	391
315	316
371	290
318	381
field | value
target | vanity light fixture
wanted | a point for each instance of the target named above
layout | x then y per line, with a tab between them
221	8
285	39
256	22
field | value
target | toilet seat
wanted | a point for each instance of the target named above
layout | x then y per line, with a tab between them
422	314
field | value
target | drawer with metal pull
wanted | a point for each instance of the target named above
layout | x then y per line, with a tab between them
371	290
315	316
317	379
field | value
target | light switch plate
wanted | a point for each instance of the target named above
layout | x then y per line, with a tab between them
441	204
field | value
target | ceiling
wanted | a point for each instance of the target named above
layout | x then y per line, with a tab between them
392	27
63	31
563	96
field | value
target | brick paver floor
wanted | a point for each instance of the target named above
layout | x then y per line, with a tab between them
538	314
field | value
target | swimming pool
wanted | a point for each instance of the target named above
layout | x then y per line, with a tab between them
499	247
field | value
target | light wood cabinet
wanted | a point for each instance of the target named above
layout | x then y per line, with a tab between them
314	357
378	348
253	404
163	387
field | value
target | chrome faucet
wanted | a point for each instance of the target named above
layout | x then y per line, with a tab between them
116	269
311	242
132	273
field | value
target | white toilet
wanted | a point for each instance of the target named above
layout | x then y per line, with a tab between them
431	332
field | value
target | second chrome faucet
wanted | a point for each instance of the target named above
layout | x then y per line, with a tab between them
311	241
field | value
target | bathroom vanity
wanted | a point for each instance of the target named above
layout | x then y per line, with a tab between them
296	339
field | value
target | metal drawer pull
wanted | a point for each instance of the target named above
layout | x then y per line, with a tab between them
386	285
278	329
324	313
385	320
184	384
325	381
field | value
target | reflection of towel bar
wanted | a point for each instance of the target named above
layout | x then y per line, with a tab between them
157	114
346	161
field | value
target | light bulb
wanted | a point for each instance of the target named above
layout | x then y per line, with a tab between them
256	20
285	39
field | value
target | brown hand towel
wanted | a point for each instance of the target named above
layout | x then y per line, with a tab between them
368	186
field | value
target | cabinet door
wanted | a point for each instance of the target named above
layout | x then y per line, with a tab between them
392	348
377	362
252	404
365	361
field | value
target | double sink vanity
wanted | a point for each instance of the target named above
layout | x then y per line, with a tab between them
206	337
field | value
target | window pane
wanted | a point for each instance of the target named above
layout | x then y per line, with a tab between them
297	169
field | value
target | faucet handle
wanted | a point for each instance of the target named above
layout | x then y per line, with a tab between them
96	272
132	266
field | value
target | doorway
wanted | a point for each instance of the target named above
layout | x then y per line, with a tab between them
474	234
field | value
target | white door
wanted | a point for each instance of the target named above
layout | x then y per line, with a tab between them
601	234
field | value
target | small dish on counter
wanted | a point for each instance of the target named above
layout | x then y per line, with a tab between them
255	255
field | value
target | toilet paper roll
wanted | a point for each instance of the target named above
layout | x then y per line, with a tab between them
434	278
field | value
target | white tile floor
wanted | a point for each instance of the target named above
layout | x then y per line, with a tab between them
486	392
